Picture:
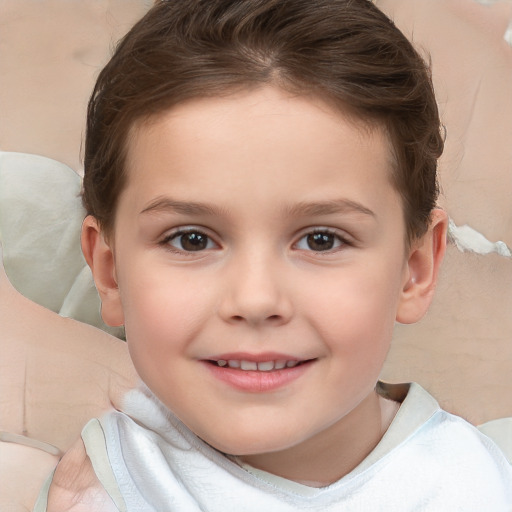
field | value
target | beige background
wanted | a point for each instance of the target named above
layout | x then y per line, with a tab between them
462	350
51	51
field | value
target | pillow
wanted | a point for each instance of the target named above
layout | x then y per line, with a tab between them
40	219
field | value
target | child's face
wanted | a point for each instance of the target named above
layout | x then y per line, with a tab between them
262	230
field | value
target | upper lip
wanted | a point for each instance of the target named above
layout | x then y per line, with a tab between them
256	358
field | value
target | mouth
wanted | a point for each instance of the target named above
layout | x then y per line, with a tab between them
259	366
263	375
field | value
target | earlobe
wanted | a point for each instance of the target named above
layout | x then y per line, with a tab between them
422	270
100	258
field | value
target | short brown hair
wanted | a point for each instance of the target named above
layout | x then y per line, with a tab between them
346	51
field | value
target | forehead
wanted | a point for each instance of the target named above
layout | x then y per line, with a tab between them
268	141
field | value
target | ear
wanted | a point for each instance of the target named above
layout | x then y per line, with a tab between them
420	277
100	258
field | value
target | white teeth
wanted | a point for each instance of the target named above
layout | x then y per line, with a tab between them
248	365
266	366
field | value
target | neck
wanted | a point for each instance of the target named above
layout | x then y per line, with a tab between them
315	463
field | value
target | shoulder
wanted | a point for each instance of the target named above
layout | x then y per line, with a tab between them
439	454
449	452
465	442
444	436
75	486
421	421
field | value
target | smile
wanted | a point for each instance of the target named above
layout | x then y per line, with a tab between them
265	375
263	366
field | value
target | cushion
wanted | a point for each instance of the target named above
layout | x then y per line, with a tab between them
40	219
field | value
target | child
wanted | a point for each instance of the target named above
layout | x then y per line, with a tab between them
260	178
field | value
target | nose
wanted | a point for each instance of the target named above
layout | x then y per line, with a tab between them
255	292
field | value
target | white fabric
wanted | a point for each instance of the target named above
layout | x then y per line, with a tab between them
428	460
41	215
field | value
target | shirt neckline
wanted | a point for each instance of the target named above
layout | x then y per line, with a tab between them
417	407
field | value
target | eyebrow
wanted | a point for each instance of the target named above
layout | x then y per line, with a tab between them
165	204
335	206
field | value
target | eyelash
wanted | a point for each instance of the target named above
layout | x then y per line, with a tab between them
176	235
338	238
325	234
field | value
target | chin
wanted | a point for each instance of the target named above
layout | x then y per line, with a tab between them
245	445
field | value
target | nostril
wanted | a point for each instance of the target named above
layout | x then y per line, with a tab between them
271	318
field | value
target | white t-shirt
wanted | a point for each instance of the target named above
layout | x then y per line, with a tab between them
428	460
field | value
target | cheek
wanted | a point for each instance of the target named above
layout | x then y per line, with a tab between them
356	312
163	312
160	295
160	329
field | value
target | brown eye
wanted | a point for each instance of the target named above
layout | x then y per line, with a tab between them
191	241
319	241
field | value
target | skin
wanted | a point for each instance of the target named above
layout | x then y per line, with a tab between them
75	486
257	174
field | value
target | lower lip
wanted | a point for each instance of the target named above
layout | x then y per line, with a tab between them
257	381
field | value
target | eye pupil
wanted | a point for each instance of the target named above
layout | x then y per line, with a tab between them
193	241
320	241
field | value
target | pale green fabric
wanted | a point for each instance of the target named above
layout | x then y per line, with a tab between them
500	431
42	500
41	215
